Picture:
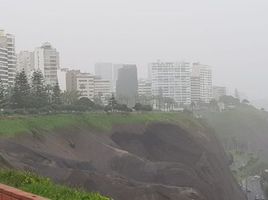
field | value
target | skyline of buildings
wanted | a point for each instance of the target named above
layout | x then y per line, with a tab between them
182	82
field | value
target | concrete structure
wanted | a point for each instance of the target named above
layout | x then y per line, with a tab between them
46	59
8	58
62	74
127	85
172	80
3	65
145	88
204	74
195	89
102	90
25	61
116	67
10	193
71	80
219	91
85	85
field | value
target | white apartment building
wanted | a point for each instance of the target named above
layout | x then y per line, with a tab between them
144	87
195	89
61	73
25	61
171	79
203	74
46	59
3	65
102	90
85	85
7	58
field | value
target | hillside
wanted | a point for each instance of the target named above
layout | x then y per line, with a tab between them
243	129
138	156
245	124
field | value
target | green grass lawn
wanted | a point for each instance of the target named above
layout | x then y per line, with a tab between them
10	126
44	187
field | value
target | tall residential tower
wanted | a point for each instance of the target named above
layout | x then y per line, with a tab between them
7	58
46	59
172	80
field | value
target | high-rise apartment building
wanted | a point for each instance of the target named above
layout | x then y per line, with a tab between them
8	58
62	78
203	75
85	85
3	64
102	90
172	80
127	84
25	61
71	80
46	59
145	88
195	89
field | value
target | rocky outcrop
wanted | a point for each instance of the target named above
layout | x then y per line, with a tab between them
157	161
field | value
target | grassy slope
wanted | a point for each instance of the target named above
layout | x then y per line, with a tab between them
44	187
100	121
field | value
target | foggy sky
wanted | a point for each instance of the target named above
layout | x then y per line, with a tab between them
229	35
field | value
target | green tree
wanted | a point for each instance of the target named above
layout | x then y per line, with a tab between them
21	91
70	97
112	103
39	94
84	101
56	95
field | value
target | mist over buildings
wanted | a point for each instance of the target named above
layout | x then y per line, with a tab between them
230	36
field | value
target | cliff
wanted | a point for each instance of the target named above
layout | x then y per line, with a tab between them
150	160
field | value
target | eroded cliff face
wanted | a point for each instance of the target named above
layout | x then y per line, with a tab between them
157	161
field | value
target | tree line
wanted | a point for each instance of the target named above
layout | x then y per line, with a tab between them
34	96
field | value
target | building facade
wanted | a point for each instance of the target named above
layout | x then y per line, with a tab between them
46	59
195	89
85	85
203	74
219	91
3	65
8	58
171	80
62	78
127	84
71	80
102	90
145	88
25	61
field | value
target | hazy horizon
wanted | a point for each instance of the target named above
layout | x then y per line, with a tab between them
230	36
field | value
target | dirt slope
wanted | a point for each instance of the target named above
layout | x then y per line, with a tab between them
153	162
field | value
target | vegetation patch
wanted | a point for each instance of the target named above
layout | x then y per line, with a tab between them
44	187
100	121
